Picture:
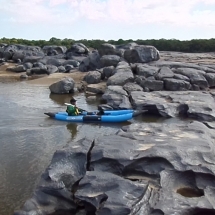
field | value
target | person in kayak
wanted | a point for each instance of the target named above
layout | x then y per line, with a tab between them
72	109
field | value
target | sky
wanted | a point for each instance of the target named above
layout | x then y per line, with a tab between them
107	19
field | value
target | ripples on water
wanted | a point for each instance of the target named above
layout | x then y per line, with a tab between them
29	138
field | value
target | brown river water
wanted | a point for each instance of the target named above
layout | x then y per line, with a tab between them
28	138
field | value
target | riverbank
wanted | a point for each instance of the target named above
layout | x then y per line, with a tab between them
45	80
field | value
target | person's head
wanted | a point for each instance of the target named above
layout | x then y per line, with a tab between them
73	101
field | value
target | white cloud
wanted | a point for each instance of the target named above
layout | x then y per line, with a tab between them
171	12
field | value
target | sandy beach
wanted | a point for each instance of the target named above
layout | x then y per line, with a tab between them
7	76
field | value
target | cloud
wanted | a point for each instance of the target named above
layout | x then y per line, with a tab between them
128	12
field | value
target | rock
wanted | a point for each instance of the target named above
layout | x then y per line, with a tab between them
116	97
28	65
146	70
90	63
107	49
109	60
61	69
31	59
152	85
65	85
92	77
18	68
54	62
210	77
38	70
69	67
193	104
55	190
24	76
96	88
123	75
73	63
53	50
129	87
141	54
171	65
176	85
181	77
108	71
51	69
144	168
105	193
164	72
78	48
195	76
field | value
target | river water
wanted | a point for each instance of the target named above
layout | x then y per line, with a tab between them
28	138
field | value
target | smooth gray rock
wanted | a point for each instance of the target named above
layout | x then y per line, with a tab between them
164	72
176	85
195	76
90	63
39	70
152	85
146	70
54	193
107	194
210	77
53	50
71	62
171	65
192	104
61	69
65	85
129	87
116	97
108	71
141	54
109	49
18	68
92	77
109	60
78	48
181	77
123	74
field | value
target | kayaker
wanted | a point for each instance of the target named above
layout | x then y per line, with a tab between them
72	109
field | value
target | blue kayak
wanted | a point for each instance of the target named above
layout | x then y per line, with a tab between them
110	116
105	112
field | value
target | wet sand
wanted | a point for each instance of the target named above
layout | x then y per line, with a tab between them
46	80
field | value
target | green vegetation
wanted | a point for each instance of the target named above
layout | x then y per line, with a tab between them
192	46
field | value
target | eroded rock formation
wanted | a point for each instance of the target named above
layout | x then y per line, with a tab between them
142	169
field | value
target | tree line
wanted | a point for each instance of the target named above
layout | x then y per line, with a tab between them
190	46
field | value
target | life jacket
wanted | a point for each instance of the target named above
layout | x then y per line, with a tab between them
72	110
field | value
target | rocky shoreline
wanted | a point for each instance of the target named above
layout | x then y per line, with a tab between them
145	168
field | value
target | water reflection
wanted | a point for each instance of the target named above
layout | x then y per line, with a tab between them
60	99
72	127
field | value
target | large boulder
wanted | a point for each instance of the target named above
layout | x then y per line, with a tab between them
123	74
90	63
110	60
93	77
117	97
78	48
109	49
146	70
65	85
54	193
196	77
141	54
54	50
